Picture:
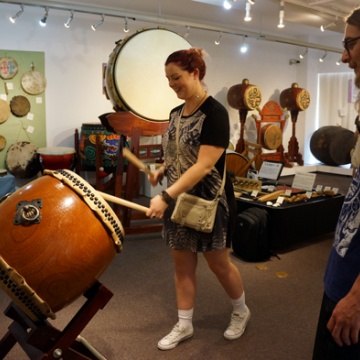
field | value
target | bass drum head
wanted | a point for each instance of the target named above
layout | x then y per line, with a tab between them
135	76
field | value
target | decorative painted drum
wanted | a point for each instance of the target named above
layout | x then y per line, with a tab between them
244	96
54	158
270	136
110	143
8	68
58	236
295	98
33	82
134	75
22	160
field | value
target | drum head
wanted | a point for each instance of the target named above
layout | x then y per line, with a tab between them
272	136
22	160
135	76
8	68
33	82
4	111
20	105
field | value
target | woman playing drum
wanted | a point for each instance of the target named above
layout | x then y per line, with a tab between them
204	136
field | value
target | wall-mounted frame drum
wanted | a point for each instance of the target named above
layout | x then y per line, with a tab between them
135	79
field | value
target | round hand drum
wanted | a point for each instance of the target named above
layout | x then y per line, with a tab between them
58	236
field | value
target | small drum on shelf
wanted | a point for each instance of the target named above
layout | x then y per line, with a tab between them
109	141
270	136
135	66
22	160
48	258
54	158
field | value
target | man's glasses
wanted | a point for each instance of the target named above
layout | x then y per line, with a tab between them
349	43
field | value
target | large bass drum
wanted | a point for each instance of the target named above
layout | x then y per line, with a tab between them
57	237
134	78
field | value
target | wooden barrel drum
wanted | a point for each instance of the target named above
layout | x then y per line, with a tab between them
295	98
58	236
332	145
244	96
131	85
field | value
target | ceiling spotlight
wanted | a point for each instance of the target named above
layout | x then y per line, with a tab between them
243	47
227	4
281	15
42	22
324	27
338	62
247	12
301	56
252	2
126	27
323	57
13	18
69	20
217	41
95	26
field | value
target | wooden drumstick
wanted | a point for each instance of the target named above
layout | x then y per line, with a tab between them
123	202
136	161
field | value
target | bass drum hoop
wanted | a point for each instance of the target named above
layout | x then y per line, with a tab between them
148	97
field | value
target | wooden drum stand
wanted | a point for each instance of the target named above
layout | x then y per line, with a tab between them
295	100
40	340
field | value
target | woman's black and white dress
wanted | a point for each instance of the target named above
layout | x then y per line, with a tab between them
208	125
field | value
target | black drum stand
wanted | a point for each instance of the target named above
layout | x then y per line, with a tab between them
40	340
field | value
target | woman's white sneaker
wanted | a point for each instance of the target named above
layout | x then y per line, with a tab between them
237	324
176	335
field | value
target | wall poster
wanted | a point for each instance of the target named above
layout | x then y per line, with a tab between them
22	100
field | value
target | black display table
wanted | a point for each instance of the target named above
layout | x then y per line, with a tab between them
294	222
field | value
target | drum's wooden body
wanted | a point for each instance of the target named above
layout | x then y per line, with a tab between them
244	96
54	158
58	235
295	98
134	77
237	164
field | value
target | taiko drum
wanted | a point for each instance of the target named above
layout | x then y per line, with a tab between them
57	237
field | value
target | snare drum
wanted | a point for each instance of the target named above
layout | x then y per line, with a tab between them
58	236
22	160
134	75
110	143
54	158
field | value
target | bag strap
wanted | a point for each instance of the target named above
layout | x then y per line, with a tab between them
221	189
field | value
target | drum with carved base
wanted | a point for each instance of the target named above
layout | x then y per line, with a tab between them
58	236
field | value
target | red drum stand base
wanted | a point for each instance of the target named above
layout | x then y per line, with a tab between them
40	340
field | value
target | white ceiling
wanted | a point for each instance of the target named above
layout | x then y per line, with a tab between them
302	17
